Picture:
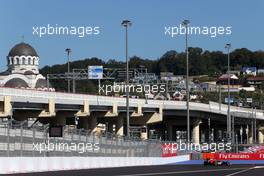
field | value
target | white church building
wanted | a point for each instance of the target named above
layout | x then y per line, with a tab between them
23	71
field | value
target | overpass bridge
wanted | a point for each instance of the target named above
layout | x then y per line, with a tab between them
163	116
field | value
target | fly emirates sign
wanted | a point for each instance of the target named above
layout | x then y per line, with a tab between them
239	156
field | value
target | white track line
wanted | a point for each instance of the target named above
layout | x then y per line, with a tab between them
182	172
259	167
239	172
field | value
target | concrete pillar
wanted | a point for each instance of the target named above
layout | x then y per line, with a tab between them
170	131
120	125
110	127
206	135
6	107
92	123
83	123
85	110
88	122
113	112
196	132
50	110
260	137
250	137
59	119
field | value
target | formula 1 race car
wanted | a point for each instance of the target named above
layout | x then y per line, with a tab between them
213	162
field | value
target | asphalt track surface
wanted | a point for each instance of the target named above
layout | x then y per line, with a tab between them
162	170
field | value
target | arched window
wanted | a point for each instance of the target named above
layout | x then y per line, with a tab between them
10	61
23	60
26	61
37	61
20	60
16	60
31	60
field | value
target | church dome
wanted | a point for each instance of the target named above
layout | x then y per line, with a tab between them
41	83
16	83
23	59
23	49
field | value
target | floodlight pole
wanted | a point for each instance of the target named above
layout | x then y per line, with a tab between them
68	50
229	135
126	24
185	23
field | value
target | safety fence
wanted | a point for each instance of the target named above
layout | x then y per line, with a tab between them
17	139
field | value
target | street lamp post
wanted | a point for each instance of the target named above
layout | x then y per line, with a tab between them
185	23
228	46
68	50
126	24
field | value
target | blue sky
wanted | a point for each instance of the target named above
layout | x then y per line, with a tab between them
146	35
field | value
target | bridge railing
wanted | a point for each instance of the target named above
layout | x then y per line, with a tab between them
69	98
237	111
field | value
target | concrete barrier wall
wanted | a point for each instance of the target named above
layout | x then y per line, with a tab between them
10	165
